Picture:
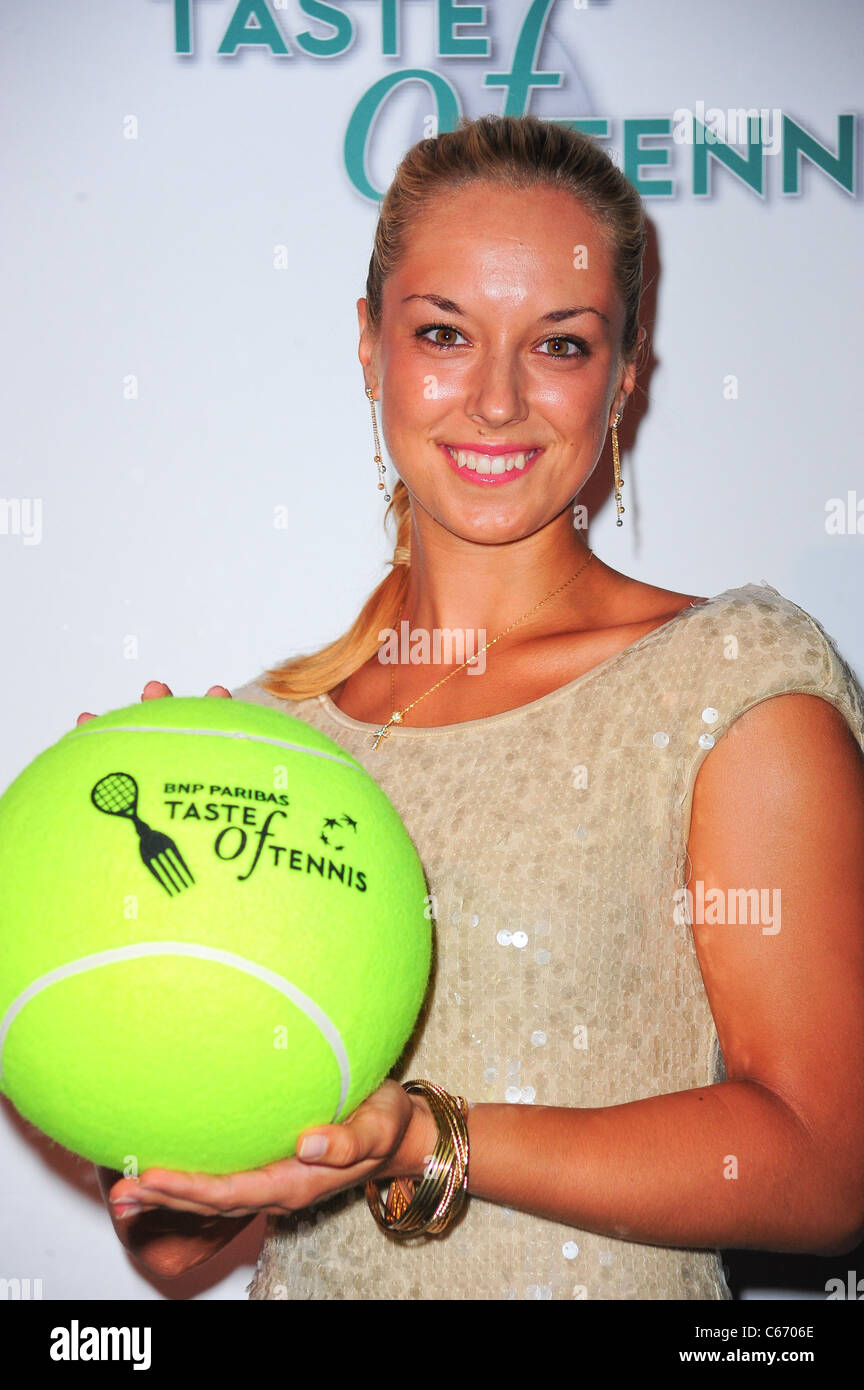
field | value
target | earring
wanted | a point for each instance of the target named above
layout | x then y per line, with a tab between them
382	472
616	465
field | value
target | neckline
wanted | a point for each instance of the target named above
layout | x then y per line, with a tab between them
424	730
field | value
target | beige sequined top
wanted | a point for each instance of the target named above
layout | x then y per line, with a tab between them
553	837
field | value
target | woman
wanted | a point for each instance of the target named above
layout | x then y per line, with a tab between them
649	1081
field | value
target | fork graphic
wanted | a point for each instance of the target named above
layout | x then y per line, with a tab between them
117	795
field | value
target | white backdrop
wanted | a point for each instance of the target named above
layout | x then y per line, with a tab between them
183	249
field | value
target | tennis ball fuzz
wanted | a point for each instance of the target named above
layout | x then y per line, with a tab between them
213	935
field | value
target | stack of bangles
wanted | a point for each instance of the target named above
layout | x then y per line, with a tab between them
430	1206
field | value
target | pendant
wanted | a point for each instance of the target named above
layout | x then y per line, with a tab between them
395	718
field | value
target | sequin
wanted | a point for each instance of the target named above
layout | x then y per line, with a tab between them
520	939
513	1094
710	715
660	740
513	1065
504	937
538	1037
569	1249
706	740
608	963
475	919
527	1095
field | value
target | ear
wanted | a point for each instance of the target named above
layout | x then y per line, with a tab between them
624	391
366	347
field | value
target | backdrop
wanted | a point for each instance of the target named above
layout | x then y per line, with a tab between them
187	488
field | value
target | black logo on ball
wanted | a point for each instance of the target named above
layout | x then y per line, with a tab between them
117	795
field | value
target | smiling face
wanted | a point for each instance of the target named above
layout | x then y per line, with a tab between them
491	340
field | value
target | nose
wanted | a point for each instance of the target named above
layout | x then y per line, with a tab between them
495	396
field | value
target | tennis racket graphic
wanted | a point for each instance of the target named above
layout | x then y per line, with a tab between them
117	795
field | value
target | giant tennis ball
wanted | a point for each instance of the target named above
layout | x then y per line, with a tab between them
213	934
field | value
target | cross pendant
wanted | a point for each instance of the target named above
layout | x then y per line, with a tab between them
395	718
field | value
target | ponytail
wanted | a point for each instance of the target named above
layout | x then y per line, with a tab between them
301	677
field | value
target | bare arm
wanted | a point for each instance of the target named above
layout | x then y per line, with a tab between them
772	1158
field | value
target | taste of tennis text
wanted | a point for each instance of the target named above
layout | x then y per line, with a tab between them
244	829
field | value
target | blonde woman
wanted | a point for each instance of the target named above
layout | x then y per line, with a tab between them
646	1082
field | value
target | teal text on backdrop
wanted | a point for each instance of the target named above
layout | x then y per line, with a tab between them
762	133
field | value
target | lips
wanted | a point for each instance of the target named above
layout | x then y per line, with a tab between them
492	464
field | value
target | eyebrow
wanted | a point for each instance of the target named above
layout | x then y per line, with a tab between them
554	316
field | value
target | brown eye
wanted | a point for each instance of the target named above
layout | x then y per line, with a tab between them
562	344
435	329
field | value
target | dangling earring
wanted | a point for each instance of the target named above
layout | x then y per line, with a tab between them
382	472
616	465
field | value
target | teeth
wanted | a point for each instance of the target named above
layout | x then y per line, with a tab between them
489	463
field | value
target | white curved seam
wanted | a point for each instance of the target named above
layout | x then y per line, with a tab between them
216	733
83	964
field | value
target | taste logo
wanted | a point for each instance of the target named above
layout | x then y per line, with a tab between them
117	795
246	836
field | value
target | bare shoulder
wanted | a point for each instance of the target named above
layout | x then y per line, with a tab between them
634	602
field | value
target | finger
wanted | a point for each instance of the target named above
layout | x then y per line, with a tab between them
220	691
154	690
144	1200
123	1211
280	1187
367	1135
83	717
128	1197
218	1194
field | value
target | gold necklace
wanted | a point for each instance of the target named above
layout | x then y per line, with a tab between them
397	715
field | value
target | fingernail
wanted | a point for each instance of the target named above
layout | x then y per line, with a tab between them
124	1209
313	1146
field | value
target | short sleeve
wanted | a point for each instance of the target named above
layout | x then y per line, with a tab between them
753	645
757	645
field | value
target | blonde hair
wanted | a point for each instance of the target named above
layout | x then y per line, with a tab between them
520	152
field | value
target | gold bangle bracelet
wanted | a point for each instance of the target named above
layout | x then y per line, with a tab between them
428	1207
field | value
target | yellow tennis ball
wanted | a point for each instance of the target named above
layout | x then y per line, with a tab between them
213	934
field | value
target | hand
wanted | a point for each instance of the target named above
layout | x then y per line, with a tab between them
155	690
391	1134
